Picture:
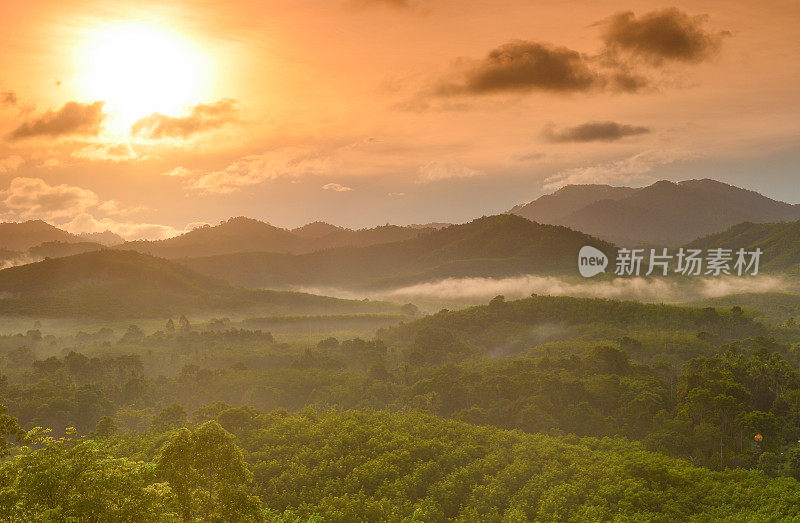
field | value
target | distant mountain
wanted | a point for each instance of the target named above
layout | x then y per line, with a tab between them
113	283
60	249
664	213
779	243
432	225
557	206
106	238
504	245
21	236
315	230
248	235
365	237
235	235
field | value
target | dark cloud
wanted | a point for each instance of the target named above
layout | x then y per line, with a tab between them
522	66
72	119
203	117
668	34
627	82
8	98
528	157
526	66
593	132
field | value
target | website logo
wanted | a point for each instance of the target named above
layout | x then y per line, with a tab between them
662	262
591	261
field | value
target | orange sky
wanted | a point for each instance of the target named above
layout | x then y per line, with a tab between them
146	120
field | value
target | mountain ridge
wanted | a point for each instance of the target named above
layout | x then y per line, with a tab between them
665	212
493	246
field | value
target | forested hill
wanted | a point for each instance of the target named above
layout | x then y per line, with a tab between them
516	325
393	466
493	246
372	466
111	283
779	243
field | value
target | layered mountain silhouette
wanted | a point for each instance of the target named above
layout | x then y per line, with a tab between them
22	242
664	213
113	283
494	246
21	236
105	238
34	240
316	230
248	235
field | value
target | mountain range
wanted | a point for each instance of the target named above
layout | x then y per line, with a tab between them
493	246
248	235
664	213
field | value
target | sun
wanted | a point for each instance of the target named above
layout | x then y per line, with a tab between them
139	69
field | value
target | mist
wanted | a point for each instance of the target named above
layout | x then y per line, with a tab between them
642	289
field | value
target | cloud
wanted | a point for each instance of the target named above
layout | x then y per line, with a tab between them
528	157
290	162
593	132
33	197
8	98
667	34
202	118
439	170
336	187
116	207
107	152
526	66
179	172
631	170
72	119
51	163
11	163
86	223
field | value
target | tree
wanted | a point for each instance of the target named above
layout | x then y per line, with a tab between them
768	463
409	309
207	472
328	344
72	479
497	301
105	427
170	327
134	332
183	324
9	426
169	418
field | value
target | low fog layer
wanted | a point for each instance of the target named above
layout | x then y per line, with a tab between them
643	289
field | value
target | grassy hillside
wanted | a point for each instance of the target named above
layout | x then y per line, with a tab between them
504	245
111	283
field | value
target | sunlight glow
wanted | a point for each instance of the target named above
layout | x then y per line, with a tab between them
139	69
